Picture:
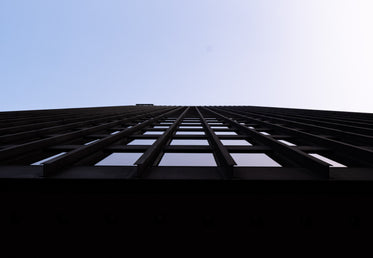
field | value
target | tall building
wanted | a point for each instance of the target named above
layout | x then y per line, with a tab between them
225	168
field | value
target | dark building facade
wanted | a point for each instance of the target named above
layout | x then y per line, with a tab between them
157	142
219	168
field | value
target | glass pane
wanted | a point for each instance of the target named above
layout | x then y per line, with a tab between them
226	133
189	142
287	143
49	158
189	123
254	160
190	132
236	142
119	159
219	127
161	127
115	132
91	142
265	133
142	142
188	159
190	127
327	160
154	132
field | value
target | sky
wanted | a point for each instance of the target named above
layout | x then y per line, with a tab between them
313	54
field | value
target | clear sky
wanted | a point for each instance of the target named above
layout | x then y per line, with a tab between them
315	54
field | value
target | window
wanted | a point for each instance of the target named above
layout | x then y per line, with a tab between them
254	160
91	142
190	127
190	132
219	127
189	142
331	162
142	142
236	142
264	133
190	123
115	132
40	162
226	133
154	132
287	143
119	159
188	159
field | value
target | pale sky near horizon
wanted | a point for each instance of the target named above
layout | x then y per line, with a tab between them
314	54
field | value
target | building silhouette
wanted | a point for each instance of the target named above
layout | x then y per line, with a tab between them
219	168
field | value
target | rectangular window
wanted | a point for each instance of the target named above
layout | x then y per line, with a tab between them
254	160
264	133
190	127
119	159
226	133
154	132
40	162
188	159
331	162
190	123
190	132
91	142
287	143
236	142
142	142
189	142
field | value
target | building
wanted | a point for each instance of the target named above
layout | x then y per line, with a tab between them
219	168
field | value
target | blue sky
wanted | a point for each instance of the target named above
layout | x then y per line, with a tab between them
314	54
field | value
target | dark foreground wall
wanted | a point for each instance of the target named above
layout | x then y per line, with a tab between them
217	205
109	213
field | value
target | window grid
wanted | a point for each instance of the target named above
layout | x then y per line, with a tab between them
289	137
